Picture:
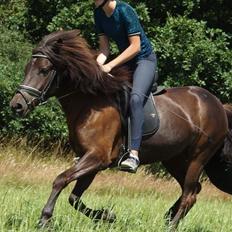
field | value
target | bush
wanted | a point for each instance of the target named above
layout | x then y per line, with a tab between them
76	16
191	54
13	15
40	14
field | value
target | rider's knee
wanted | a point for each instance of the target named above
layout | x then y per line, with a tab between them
135	100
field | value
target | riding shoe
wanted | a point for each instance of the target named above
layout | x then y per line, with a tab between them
130	164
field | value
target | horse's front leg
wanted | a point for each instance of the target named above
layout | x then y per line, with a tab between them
75	200
88	164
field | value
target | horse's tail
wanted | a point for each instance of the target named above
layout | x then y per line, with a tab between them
219	167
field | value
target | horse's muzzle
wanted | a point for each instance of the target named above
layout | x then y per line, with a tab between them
19	105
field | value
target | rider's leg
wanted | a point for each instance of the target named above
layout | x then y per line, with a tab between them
143	79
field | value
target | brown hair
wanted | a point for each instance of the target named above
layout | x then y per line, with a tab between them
71	54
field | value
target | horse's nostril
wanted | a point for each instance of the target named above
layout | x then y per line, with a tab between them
18	106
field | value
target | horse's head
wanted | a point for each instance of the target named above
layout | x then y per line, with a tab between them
59	54
39	84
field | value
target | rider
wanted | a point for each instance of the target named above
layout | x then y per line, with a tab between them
118	21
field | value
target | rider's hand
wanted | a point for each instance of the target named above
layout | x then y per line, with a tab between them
106	68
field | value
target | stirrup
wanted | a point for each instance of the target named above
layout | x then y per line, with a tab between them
124	155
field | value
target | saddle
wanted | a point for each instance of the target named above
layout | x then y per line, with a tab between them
151	117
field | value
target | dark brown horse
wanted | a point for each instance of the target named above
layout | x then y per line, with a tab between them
193	125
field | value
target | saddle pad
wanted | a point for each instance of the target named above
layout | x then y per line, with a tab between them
151	117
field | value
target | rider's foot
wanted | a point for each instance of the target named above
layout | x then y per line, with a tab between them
130	164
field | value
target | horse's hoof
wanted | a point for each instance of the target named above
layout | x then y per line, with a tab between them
172	227
170	224
104	215
108	215
167	218
43	223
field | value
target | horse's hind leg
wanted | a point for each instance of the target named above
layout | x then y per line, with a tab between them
187	176
75	200
191	188
177	168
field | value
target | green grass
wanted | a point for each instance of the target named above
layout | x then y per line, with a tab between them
21	207
139	201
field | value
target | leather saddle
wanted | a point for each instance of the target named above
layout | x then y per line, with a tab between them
151	117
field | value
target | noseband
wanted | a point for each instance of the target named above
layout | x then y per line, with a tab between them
38	95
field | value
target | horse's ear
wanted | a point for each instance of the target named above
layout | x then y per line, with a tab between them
57	44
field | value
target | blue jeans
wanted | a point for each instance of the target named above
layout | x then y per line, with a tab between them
143	79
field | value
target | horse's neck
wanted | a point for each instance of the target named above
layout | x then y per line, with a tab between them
77	104
72	103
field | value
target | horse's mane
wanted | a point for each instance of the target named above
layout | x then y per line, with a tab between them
72	56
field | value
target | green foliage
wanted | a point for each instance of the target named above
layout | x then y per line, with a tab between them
78	15
13	14
161	9
216	13
12	54
40	14
191	54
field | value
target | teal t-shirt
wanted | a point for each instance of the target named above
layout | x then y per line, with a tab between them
120	25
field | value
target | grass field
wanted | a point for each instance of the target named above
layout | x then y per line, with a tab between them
139	201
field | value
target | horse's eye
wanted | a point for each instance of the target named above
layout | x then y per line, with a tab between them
45	71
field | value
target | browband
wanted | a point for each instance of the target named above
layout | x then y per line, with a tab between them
39	56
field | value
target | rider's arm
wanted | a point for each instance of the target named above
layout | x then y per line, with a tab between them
104	49
129	53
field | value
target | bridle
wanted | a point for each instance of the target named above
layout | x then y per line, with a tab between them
39	96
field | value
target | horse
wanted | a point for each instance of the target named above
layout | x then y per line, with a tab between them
193	125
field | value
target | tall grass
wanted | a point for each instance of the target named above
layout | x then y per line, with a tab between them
139	201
